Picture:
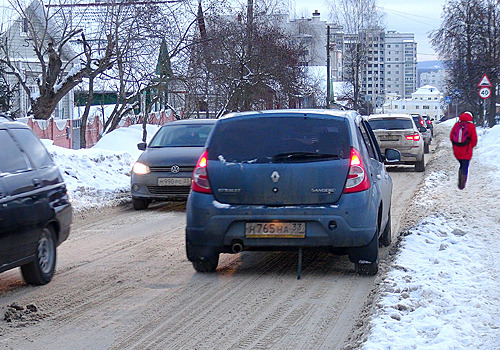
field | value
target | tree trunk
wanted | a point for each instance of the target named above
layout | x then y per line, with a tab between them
85	116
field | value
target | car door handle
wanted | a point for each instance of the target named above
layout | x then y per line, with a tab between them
379	177
37	182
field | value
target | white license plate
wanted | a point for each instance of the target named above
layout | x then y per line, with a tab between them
174	181
390	138
275	229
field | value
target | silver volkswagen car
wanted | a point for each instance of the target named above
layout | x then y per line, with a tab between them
163	171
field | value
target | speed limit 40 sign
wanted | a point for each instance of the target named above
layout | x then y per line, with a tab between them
484	92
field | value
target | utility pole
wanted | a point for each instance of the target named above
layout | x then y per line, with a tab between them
328	78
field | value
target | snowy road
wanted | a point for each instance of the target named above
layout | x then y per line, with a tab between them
123	281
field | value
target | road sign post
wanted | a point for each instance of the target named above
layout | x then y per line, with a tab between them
484	92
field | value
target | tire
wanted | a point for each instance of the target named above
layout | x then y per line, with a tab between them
365	258
385	239
426	148
140	203
420	165
367	269
41	269
206	264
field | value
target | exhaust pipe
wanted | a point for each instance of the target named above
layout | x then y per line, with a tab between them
237	248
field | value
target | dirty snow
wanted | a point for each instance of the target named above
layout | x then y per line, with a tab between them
442	291
100	176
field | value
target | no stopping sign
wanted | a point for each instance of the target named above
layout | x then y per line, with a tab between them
484	92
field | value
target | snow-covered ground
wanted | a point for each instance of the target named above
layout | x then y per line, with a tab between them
100	176
442	291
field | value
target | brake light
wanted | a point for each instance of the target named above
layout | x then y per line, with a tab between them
414	137
429	122
422	122
200	181
357	178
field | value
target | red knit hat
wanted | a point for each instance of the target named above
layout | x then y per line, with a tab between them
466	116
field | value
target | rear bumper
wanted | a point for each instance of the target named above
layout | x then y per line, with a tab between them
409	156
64	217
349	223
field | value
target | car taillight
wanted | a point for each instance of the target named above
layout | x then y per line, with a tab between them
414	137
422	122
357	178
429	122
200	176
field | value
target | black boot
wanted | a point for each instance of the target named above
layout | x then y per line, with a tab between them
462	179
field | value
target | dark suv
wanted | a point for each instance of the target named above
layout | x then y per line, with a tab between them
35	211
290	179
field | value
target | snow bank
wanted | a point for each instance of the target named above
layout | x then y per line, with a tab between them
100	176
488	148
434	295
442	290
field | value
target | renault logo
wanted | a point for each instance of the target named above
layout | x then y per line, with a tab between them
275	176
174	169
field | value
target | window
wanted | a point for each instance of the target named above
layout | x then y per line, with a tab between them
417	107
262	139
33	147
425	107
24	26
11	158
367	141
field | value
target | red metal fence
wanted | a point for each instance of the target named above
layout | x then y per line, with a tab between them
63	131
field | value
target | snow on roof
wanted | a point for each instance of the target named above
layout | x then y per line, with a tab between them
427	90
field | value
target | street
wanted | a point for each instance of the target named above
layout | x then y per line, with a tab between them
123	281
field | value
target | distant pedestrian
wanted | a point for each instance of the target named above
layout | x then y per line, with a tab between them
463	136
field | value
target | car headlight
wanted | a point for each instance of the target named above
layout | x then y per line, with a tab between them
140	169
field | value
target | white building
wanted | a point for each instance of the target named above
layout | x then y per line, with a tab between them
427	100
400	63
435	78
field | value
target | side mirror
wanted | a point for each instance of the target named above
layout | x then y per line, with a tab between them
392	155
142	146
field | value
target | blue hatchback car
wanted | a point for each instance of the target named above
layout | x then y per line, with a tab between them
289	179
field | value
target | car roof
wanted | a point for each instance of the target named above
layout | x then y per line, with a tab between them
385	116
192	121
292	113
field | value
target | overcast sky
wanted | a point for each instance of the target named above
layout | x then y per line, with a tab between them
419	17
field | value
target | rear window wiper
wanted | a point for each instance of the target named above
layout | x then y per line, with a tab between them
301	156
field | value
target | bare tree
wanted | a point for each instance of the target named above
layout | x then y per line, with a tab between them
7	91
58	68
240	76
358	19
469	43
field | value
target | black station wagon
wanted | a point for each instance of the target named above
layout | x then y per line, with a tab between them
35	211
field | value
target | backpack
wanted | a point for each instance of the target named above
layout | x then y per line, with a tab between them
460	135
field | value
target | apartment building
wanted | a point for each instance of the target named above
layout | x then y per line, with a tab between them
400	63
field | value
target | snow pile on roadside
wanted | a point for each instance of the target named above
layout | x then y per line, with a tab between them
434	297
100	176
488	148
442	291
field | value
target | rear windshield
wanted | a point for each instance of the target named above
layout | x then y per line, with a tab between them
280	139
181	135
391	124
